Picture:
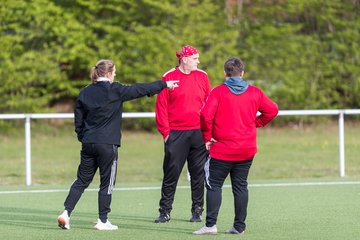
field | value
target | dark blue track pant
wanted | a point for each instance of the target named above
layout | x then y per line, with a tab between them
94	156
216	172
181	146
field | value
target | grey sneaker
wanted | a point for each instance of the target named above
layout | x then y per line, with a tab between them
64	221
163	218
196	217
233	230
196	214
206	230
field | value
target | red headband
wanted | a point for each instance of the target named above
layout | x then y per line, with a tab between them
186	51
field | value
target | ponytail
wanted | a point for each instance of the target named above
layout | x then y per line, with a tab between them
101	69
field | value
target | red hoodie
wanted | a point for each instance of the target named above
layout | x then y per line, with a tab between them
231	120
179	109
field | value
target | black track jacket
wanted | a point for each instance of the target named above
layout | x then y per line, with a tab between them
98	110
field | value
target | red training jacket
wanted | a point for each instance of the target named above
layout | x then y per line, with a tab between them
231	120
179	109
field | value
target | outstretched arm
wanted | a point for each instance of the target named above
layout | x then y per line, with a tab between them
129	92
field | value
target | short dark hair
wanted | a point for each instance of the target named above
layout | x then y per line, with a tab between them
233	67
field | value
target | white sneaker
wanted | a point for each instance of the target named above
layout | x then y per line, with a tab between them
233	230
105	226
64	220
206	230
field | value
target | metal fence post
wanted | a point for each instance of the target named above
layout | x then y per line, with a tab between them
341	144
28	149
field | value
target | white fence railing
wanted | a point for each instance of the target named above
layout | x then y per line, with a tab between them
28	117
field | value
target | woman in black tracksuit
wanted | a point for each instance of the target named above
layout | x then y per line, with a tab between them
98	115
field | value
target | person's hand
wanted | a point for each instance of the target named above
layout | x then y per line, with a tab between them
209	143
172	84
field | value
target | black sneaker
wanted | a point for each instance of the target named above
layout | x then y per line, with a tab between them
163	218
196	216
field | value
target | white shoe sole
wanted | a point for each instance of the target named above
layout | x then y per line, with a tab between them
106	229
208	233
102	228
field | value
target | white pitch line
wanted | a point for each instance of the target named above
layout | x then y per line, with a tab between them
304	184
187	187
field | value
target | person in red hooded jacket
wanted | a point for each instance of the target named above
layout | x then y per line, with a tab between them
178	120
228	122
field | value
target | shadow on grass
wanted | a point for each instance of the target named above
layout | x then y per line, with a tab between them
35	218
134	222
47	219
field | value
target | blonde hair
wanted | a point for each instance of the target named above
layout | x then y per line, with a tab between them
101	68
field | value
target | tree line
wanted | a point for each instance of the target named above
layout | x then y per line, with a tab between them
305	54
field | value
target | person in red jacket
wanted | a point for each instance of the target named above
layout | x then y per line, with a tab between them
178	120
228	123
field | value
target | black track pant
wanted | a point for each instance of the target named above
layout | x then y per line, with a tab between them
183	145
216	172
94	156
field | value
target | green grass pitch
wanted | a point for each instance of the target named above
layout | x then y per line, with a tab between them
276	211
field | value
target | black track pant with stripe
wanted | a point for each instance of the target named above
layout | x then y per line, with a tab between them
180	146
94	156
216	172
